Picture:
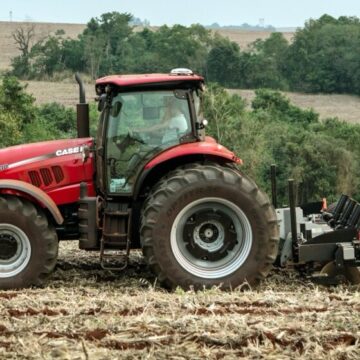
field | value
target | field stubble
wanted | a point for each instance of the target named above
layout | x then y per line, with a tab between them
90	313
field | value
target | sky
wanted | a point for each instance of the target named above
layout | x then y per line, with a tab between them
279	13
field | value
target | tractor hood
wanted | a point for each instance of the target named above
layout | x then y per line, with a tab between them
57	167
31	155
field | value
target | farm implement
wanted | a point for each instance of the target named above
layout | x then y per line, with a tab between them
151	179
323	243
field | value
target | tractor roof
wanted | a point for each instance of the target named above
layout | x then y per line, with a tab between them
148	80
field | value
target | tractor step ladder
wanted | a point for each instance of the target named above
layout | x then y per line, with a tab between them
111	243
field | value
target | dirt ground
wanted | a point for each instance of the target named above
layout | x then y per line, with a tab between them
89	313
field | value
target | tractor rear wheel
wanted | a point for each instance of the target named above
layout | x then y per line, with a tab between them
28	244
206	225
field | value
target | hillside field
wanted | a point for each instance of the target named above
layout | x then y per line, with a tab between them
345	107
9	50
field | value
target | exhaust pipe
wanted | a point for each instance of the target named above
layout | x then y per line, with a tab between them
82	111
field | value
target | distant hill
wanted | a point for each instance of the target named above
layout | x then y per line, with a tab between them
8	48
245	26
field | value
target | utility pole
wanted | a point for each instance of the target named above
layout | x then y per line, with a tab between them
11	15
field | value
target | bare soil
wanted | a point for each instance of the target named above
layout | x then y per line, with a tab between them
89	313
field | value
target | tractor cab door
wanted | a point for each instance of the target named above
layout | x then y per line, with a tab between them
139	126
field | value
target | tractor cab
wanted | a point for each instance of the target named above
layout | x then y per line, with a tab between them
142	117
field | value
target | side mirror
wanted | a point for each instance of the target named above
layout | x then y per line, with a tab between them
202	124
101	102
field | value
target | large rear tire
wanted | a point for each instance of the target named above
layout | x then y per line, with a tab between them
206	225
28	244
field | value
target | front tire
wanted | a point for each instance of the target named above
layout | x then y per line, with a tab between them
28	244
208	225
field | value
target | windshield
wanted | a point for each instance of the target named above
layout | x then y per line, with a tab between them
140	125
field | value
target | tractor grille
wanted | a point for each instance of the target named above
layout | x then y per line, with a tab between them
35	178
46	176
58	173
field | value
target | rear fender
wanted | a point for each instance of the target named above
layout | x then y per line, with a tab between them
35	194
151	175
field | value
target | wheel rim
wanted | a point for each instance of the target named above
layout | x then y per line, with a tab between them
15	250
211	238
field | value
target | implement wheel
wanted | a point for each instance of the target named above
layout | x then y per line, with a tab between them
346	273
208	225
28	244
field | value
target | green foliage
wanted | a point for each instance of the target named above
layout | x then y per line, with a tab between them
224	113
15	101
9	129
60	119
263	64
223	63
167	48
323	158
279	106
324	56
21	121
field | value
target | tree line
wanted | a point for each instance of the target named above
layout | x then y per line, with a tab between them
322	156
324	55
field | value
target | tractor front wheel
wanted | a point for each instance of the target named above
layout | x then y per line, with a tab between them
207	225
28	244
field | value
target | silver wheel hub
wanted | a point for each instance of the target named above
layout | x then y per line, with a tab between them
15	250
211	238
209	235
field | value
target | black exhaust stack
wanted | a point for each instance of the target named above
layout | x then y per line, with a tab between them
82	111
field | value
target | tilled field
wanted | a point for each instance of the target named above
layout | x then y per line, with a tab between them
89	313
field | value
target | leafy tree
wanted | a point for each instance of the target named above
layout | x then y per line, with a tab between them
167	48
264	63
104	40
224	112
324	56
323	161
60	119
23	37
9	129
14	100
223	63
275	103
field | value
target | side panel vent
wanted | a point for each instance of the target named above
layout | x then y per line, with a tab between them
46	176
58	173
35	178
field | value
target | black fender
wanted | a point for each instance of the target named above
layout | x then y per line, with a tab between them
155	173
35	193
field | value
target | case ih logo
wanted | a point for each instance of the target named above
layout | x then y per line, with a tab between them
3	167
69	151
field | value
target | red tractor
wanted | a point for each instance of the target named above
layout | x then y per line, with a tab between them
151	179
